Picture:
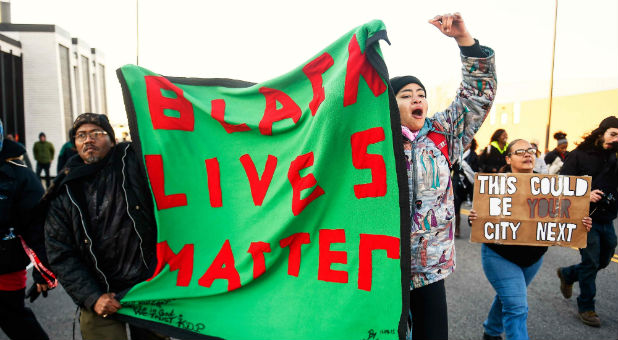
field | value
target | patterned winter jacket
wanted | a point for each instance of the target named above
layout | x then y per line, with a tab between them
431	192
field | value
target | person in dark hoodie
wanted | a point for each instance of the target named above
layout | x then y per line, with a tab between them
100	230
20	192
25	158
491	160
596	157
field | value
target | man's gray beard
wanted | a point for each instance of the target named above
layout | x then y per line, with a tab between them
92	159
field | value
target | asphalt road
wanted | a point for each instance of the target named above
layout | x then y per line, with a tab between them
469	296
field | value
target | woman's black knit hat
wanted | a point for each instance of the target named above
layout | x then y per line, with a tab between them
398	83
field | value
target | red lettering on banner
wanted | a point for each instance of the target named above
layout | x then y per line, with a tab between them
301	183
369	243
214	182
218	113
358	66
154	167
257	250
294	241
314	71
157	104
258	186
362	160
183	262
223	267
289	109
327	256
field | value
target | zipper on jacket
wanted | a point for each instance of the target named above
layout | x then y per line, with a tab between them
126	199
413	160
81	216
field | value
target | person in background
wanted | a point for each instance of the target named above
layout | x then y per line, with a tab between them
43	152
25	157
491	160
471	157
595	156
539	162
20	192
463	181
67	151
555	158
429	146
511	268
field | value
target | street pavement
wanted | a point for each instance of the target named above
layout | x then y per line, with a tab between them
469	296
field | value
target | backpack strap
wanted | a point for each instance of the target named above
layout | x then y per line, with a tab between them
438	138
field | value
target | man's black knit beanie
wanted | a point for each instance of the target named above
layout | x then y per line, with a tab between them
96	119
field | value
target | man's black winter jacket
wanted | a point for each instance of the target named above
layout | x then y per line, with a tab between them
100	230
601	165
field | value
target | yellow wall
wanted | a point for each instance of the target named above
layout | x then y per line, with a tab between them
575	115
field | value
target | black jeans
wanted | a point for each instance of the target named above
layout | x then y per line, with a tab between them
45	168
597	255
429	314
16	320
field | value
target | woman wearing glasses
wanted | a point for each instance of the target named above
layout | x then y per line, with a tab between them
511	268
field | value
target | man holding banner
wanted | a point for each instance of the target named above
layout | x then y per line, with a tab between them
100	231
430	146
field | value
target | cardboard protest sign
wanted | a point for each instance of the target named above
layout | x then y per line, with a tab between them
280	205
530	209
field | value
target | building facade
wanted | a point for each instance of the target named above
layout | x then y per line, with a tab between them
61	77
578	106
11	86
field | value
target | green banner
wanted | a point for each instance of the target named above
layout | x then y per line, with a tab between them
279	205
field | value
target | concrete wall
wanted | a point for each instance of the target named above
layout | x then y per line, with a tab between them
43	107
9	45
81	50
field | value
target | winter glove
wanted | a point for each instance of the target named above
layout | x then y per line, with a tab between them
33	293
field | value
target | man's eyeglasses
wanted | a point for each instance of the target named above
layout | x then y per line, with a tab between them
95	134
521	152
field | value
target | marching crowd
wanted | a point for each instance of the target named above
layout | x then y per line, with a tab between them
94	229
